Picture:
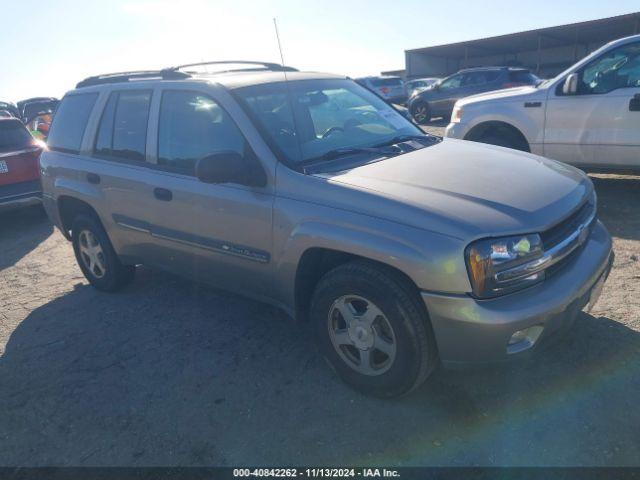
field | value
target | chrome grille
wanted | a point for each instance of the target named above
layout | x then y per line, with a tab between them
566	227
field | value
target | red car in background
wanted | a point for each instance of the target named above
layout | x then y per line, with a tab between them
19	169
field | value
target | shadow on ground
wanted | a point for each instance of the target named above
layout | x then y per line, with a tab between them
21	231
169	373
619	204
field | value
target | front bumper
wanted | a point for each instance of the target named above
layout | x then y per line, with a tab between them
470	331
456	130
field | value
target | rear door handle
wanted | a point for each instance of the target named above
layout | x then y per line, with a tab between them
634	103
93	178
163	194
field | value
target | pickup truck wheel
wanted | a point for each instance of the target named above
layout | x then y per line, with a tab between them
421	112
373	330
505	140
96	257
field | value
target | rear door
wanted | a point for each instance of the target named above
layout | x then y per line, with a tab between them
118	168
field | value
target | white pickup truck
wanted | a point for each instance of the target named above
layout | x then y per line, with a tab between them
588	116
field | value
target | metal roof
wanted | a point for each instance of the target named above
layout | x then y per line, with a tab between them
594	31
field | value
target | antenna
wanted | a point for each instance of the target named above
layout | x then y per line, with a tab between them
289	97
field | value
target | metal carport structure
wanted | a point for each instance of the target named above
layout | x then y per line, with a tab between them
546	51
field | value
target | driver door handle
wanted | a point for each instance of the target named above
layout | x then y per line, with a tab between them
163	194
634	103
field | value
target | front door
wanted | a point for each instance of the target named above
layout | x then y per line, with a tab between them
216	233
599	125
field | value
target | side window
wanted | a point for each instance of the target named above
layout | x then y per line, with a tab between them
70	122
123	127
192	126
619	68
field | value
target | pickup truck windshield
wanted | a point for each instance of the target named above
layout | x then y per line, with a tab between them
328	115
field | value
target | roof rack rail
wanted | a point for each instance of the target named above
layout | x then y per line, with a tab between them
253	66
165	74
177	73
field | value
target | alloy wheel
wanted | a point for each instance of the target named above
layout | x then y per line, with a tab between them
362	335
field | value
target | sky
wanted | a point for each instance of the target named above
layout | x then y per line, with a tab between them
48	46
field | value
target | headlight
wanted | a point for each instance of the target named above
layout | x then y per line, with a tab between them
491	261
456	115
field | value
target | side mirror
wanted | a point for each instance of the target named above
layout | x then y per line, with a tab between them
570	86
230	167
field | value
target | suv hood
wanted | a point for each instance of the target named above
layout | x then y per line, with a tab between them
509	94
464	189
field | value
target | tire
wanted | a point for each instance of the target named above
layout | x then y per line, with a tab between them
421	112
102	268
504	140
400	320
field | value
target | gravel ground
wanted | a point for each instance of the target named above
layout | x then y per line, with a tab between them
171	373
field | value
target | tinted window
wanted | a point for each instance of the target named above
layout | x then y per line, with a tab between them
480	78
193	126
451	82
523	76
619	68
386	82
13	135
70	121
123	127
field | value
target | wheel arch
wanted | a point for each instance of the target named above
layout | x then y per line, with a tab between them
315	262
70	207
499	128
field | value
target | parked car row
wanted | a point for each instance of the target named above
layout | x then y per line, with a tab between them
36	113
438	100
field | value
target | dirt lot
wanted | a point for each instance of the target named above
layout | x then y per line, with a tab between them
172	373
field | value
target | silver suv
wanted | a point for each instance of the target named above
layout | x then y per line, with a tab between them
309	192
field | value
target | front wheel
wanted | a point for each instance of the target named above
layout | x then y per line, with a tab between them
421	113
373	330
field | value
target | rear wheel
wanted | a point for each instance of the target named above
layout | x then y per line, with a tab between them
96	257
372	329
421	112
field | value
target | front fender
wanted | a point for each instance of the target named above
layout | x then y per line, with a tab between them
528	120
432	261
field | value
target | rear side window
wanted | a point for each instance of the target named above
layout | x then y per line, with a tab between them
122	132
386	82
70	122
480	78
193	126
522	76
14	135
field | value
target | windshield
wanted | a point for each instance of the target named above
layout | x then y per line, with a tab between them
329	115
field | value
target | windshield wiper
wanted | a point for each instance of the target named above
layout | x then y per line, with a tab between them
405	138
341	152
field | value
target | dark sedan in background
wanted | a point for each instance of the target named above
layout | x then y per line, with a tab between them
438	100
